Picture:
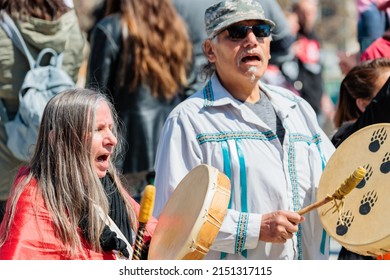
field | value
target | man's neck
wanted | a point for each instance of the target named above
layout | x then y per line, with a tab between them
243	90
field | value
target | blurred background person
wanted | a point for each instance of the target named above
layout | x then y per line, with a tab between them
284	71
140	53
42	23
309	82
372	22
357	89
377	111
381	46
304	71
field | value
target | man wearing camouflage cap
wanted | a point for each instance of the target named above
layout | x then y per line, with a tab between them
264	138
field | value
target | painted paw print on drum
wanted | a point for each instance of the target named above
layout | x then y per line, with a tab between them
367	176
385	166
377	139
344	223
368	201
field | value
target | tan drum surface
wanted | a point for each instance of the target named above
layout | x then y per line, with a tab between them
192	217
362	225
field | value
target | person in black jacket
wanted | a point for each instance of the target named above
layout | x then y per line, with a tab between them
305	71
140	55
364	100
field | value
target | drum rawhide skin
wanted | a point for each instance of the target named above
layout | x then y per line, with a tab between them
192	217
361	222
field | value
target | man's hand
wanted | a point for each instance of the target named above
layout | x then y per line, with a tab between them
277	227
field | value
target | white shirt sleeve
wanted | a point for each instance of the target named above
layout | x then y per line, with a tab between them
239	231
173	162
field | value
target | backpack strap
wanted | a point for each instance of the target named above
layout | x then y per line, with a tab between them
3	112
55	58
13	32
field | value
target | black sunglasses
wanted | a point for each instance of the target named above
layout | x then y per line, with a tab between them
240	31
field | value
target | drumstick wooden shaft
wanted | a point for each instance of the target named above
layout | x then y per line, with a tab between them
346	187
145	212
314	205
139	244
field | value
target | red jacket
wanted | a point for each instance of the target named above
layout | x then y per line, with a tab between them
31	235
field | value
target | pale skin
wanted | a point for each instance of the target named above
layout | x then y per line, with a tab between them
307	14
103	139
239	65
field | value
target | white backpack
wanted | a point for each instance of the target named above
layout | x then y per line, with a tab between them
40	84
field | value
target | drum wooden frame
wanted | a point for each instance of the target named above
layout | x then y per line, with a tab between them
192	217
362	224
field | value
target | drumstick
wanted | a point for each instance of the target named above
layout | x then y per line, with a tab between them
145	212
346	187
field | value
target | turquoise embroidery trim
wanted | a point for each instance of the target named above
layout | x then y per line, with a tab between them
223	255
226	167
224	136
294	138
208	95
228	172
244	198
323	242
294	184
241	234
243	184
244	195
292	171
324	234
317	140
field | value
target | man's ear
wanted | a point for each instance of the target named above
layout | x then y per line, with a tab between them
208	50
362	103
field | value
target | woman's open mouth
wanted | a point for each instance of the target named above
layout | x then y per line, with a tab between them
102	158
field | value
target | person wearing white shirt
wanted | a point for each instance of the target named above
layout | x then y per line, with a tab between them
264	138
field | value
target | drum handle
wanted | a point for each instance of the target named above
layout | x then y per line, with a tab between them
346	187
145	212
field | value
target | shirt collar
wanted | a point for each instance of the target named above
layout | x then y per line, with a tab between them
216	95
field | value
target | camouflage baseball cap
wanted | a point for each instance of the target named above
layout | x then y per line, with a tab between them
223	14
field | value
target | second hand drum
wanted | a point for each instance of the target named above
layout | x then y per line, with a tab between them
360	224
192	217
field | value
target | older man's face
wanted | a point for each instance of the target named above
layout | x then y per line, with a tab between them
239	58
